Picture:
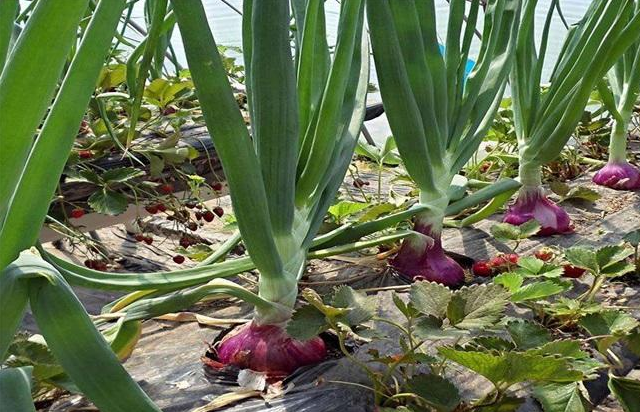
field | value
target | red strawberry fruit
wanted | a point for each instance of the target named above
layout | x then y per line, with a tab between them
573	272
77	213
179	259
166	189
545	254
481	268
218	211
208	216
85	154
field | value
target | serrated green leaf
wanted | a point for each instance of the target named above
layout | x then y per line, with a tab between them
198	252
582	193
506	404
346	208
361	307
430	298
529	229
633	342
477	306
565	348
527	335
561	398
430	328
505	231
511	281
537	290
513	367
376	211
122	174
490	343
405	308
33	351
582	257
611	255
626	391
618	269
559	188
85	175
108	202
307	322
633	237
156	165
437	391
608	322
531	264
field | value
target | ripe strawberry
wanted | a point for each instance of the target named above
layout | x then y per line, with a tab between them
484	166
208	216
166	189
218	211
185	242
360	183
179	259
161	207
198	215
217	186
77	213
148	240
192	226
139	237
88	263
573	272
169	110
512	258
153	209
481	268
497	261
85	154
545	254
100	265
190	205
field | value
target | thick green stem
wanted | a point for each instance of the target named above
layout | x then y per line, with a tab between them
529	174
618	142
281	288
595	287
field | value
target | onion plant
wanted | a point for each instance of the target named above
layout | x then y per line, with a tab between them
619	99
42	105
545	118
306	114
438	117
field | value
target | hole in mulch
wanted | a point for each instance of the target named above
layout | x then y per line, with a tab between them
216	372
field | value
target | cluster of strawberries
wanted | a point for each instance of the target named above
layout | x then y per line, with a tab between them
506	262
495	265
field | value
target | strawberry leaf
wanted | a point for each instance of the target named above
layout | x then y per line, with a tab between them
561	398
513	367
430	298
438	392
477	306
627	391
306	323
527	335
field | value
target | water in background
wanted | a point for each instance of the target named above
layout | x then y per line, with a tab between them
226	25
